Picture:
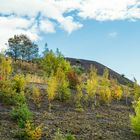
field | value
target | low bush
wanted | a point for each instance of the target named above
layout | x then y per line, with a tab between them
73	79
36	96
78	69
8	95
116	90
21	114
19	83
105	94
51	89
32	132
64	91
59	136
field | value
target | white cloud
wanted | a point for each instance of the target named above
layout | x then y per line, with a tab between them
47	26
109	9
11	25
69	25
46	15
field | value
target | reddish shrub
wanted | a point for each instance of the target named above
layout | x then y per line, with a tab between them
73	79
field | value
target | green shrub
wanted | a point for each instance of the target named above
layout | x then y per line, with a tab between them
136	90
69	136
78	69
21	114
135	119
64	91
18	98
59	136
8	95
51	62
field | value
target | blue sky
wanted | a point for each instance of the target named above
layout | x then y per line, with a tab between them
115	44
106	31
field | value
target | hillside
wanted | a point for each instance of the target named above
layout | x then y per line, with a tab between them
100	68
50	100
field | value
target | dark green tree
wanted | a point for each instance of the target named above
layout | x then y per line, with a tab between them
21	47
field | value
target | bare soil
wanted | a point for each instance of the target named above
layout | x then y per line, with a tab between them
103	123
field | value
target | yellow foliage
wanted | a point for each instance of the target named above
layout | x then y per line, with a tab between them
91	87
106	73
30	78
105	94
116	90
31	132
36	95
19	82
51	88
93	72
79	95
5	67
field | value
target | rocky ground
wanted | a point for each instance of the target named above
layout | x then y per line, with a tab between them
103	123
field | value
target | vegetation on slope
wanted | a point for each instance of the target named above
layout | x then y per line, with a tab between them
59	95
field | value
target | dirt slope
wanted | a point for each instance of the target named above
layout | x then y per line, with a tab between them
87	63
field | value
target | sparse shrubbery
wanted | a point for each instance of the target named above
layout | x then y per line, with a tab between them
91	86
116	90
78	98
19	83
32	78
36	96
73	79
136	90
78	69
51	89
21	114
63	91
135	119
105	94
126	92
31	132
51	62
5	68
61	80
59	136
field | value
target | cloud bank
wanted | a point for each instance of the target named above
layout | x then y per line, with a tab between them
32	17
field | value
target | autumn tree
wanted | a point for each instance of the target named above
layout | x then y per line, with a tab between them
51	62
91	85
63	85
78	97
105	94
105	80
136	90
51	89
116	90
93	72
